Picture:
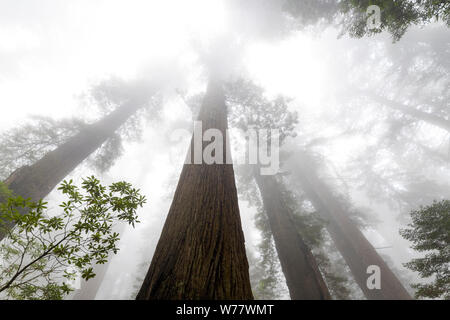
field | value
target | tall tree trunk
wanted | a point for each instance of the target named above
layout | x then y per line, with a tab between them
413	112
39	179
88	289
357	251
201	252
299	266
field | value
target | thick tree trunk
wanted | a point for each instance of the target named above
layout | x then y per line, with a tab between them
352	244
299	266
201	252
38	180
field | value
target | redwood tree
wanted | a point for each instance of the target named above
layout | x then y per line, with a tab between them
251	108
357	251
39	179
201	251
299	266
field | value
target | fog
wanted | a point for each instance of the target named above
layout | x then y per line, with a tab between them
367	117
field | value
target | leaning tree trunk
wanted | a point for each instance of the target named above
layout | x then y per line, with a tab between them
39	179
299	266
357	251
412	112
201	251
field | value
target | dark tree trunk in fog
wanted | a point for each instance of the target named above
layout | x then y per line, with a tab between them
413	112
352	244
88	289
38	180
299	266
201	252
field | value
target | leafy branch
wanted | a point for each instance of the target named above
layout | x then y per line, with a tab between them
39	251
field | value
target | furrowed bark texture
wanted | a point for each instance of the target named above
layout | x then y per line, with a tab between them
299	266
38	180
201	252
357	251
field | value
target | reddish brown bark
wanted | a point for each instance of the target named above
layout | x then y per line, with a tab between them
357	251
201	252
39	179
299	266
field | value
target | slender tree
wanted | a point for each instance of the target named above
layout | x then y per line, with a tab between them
357	251
201	252
299	266
413	112
251	108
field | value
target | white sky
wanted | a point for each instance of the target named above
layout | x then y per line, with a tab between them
52	51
